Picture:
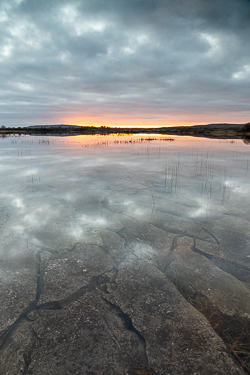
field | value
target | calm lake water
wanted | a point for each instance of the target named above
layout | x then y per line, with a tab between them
54	189
134	196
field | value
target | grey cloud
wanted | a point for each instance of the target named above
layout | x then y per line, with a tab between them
145	58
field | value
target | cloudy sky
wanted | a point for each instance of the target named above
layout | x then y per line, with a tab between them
124	62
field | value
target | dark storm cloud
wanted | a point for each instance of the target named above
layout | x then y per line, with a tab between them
147	59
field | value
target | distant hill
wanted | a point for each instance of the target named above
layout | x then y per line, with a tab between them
214	126
219	126
61	126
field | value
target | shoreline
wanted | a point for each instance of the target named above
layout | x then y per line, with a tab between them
209	131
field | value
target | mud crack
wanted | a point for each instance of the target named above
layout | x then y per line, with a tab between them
94	283
239	271
211	234
128	324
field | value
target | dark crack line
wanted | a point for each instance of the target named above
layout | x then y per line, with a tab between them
27	362
180	232
172	247
237	270
128	324
172	213
120	232
93	284
54	305
5	334
106	250
127	246
175	242
168	230
229	328
113	230
44	248
126	217
111	332
211	234
32	306
162	267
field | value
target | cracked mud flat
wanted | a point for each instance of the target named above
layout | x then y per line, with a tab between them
109	261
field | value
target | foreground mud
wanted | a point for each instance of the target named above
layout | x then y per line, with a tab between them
120	305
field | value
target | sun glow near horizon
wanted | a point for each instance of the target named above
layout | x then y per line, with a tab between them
131	122
128	121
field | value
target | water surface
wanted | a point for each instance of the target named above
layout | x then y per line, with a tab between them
54	189
178	204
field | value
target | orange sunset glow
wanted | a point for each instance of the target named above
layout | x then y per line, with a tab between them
151	121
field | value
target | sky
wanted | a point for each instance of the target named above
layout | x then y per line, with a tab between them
124	62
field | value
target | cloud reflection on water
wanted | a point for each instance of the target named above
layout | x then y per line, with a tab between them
62	195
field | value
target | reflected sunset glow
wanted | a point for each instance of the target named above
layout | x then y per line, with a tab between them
169	141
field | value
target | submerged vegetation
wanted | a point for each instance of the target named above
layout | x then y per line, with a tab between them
234	330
